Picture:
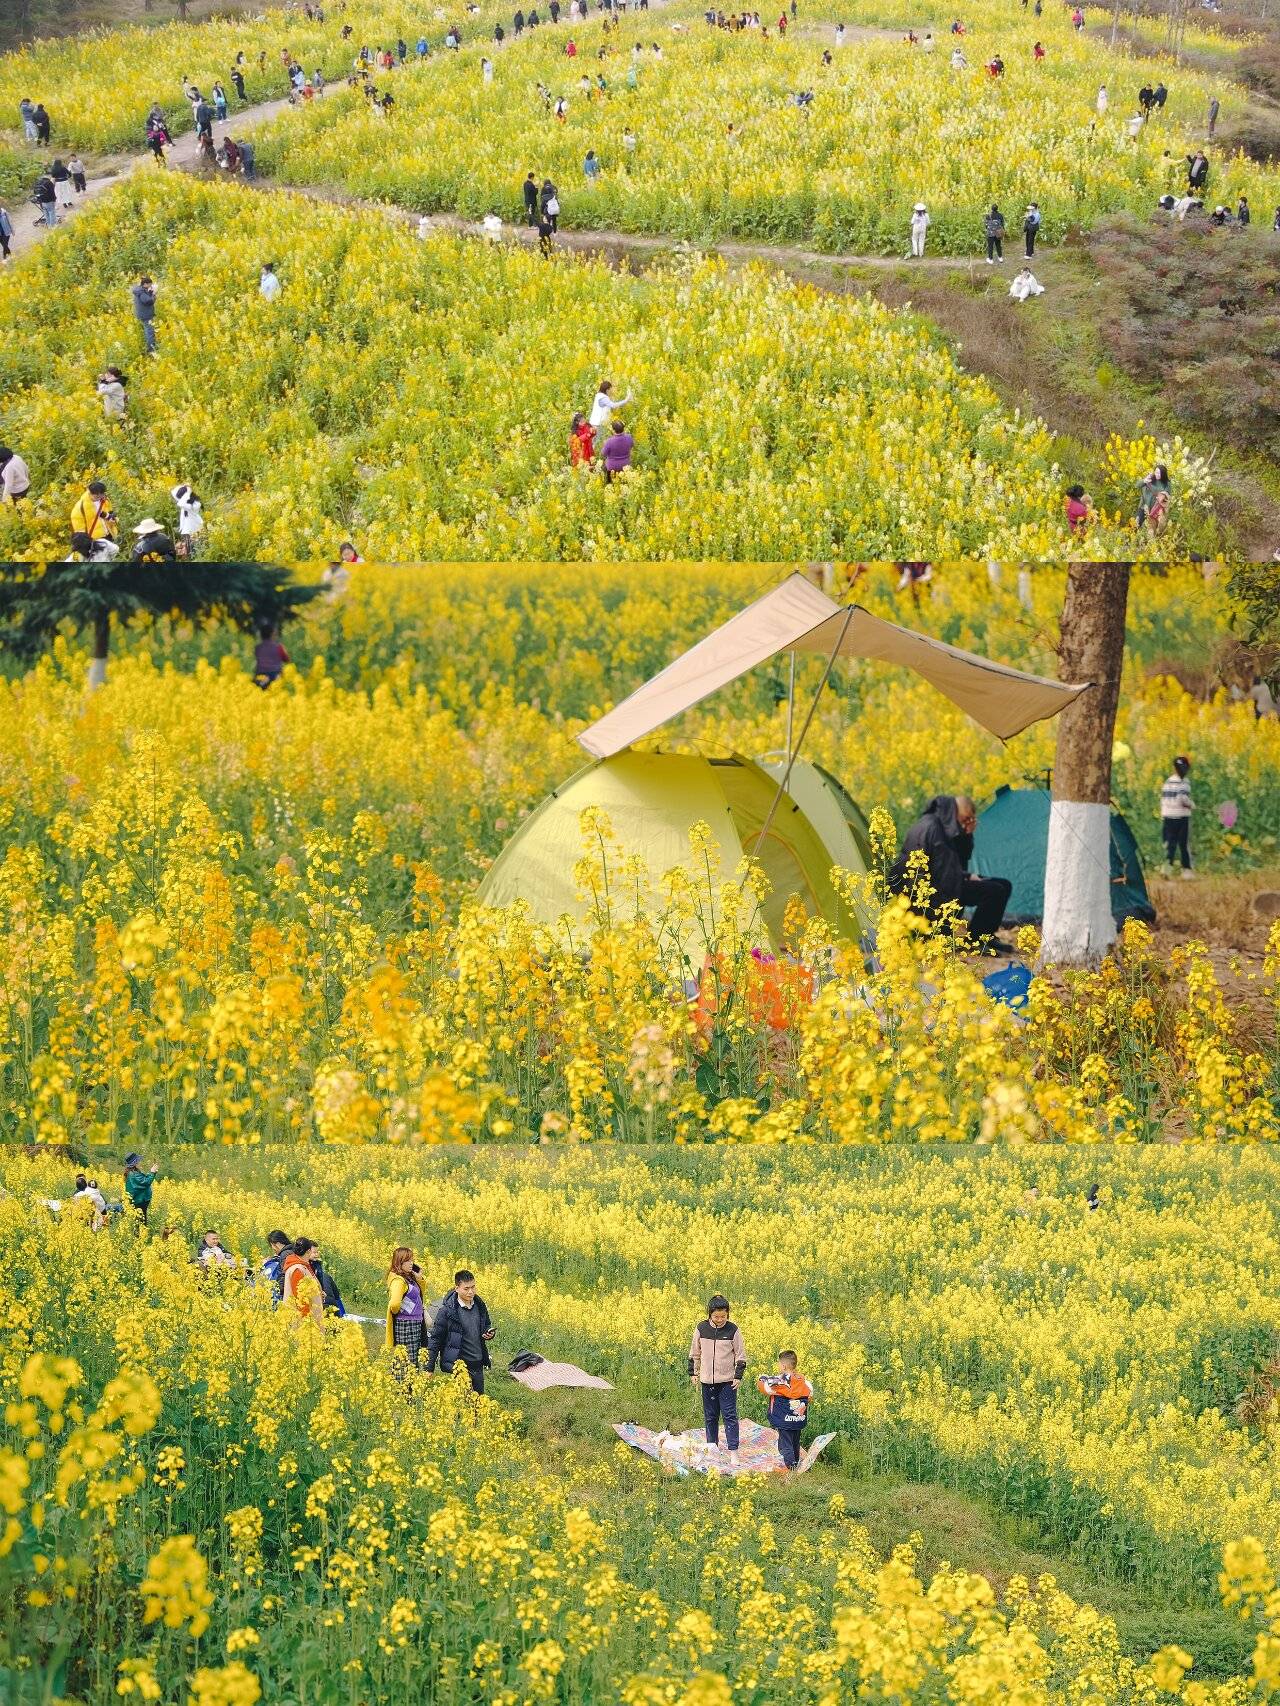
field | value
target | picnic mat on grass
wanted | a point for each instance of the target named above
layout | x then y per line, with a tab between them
544	1374
757	1449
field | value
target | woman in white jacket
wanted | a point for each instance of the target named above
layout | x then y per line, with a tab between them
111	388
919	225
1025	284
190	520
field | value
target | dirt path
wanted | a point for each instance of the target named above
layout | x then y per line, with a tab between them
28	230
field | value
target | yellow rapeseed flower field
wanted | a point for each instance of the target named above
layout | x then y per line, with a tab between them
241	916
417	398
204	1498
99	85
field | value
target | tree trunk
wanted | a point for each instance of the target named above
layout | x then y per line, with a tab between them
101	642
1078	925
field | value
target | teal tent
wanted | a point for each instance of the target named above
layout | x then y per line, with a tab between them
1012	840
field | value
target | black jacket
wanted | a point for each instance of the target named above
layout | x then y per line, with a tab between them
154	548
329	1289
937	834
444	1342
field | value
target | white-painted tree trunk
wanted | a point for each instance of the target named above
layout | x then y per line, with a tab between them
1024	588
1079	927
101	646
993	573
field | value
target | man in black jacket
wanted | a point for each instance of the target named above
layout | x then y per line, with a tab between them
944	834
531	200
461	1331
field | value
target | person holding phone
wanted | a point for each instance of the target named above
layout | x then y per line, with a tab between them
461	1331
406	1308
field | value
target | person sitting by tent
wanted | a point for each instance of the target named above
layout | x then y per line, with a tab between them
944	834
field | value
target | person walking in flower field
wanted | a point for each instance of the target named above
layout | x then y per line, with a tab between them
300	1284
993	228
139	1182
406	1307
789	1395
461	1331
582	440
93	514
279	1243
717	1363
919	226
1176	807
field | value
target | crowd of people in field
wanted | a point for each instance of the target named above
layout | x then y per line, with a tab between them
456	1331
596	437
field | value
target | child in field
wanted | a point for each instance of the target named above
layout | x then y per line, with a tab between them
1176	806
269	656
717	1363
789	1395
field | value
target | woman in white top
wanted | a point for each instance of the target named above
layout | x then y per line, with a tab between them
190	518
1102	100
604	404
270	285
111	390
1025	284
919	225
486	70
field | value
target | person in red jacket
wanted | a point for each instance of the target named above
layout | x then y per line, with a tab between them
582	441
789	1395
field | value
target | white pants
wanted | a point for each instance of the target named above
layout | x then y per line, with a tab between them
917	244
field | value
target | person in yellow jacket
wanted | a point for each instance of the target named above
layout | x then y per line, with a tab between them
92	513
406	1310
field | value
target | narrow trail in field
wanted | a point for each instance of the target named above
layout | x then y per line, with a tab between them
28	230
801	263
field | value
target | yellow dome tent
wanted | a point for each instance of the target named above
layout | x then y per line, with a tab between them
652	800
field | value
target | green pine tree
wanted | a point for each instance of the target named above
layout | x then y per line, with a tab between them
1255	588
40	601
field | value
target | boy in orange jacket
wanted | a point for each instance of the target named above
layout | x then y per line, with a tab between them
789	1395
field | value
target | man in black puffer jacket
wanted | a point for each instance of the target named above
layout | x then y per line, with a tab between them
944	834
461	1331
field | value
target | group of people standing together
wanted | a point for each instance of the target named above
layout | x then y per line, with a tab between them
458	1329
616	450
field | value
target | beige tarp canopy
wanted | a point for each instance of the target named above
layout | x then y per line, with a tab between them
797	617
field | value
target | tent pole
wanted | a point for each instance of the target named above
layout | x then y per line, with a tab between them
791	704
793	754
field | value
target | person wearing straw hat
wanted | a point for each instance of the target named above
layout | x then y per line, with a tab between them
152	544
919	225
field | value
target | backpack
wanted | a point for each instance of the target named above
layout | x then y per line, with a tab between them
553	206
